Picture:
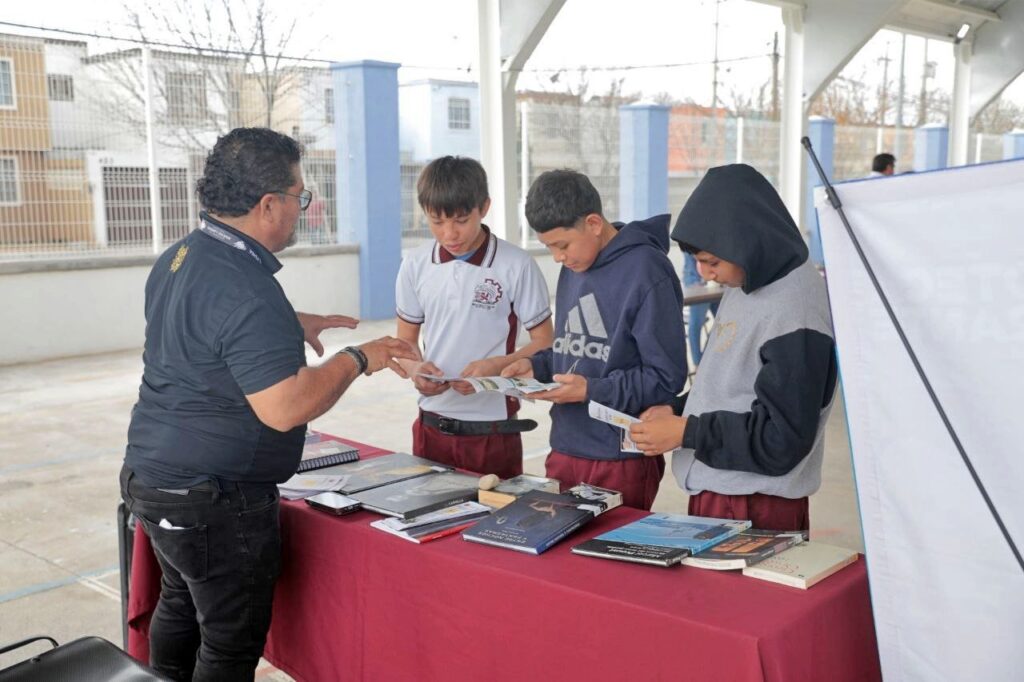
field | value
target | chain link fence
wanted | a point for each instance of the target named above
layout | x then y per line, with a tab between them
74	162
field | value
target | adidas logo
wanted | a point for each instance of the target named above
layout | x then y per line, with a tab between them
584	323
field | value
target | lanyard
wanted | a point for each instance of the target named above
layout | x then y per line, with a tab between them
222	235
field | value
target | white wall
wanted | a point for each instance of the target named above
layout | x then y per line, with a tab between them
58	309
65	308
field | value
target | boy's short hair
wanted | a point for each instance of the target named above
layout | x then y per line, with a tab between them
689	248
882	161
559	198
452	186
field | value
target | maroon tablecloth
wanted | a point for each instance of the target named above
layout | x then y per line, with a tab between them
355	603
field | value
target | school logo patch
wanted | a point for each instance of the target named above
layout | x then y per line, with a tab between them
487	294
179	258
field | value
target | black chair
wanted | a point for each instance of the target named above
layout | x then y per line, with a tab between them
89	659
125	544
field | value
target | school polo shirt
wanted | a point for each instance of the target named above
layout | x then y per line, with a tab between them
470	310
218	327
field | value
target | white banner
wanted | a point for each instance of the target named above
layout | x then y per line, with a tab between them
948	250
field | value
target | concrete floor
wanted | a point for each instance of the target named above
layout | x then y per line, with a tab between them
64	424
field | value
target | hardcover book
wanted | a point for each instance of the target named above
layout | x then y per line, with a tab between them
377	471
433	525
661	539
534	522
415	497
326	453
746	549
804	565
508	490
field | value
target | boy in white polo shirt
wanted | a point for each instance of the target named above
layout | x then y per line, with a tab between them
468	293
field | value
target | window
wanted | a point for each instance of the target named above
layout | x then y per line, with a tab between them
458	113
186	97
7	99
60	87
329	105
9	194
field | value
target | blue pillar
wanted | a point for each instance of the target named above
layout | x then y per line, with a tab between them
822	133
368	183
931	143
643	161
1013	145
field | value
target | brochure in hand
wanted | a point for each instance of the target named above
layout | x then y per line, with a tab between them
661	539
536	521
415	497
515	387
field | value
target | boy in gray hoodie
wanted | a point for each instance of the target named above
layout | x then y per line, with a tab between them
750	432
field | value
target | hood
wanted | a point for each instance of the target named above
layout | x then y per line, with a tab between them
738	216
650	232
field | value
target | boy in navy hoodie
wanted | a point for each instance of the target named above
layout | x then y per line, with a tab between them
750	435
619	334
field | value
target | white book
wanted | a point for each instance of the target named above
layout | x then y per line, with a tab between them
804	565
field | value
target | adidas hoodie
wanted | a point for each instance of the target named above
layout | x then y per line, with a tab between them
765	387
619	324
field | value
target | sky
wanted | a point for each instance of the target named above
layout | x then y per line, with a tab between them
438	38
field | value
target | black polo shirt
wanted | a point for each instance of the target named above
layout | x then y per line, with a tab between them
218	327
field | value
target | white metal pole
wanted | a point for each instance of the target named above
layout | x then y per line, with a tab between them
739	140
879	139
959	123
792	125
524	167
977	147
492	152
154	172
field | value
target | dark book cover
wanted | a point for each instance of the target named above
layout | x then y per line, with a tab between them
377	471
533	523
625	551
418	496
745	549
326	453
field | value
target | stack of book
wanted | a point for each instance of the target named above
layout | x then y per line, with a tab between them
379	471
513	488
436	524
746	549
661	539
537	520
319	452
415	497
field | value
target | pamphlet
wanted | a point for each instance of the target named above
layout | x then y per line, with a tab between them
623	421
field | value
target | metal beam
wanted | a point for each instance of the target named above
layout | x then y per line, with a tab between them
793	113
976	13
959	120
509	32
998	57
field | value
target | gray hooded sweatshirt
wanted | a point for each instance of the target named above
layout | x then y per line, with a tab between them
757	410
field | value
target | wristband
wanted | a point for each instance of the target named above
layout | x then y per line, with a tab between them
359	357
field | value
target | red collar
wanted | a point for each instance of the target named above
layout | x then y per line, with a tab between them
443	255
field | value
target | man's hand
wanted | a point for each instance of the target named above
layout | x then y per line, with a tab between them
659	433
656	411
385	352
572	390
521	368
488	367
425	386
312	325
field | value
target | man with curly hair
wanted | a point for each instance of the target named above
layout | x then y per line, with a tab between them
223	406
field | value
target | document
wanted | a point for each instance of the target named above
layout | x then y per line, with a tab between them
621	420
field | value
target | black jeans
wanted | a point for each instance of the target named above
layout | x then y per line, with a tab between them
220	559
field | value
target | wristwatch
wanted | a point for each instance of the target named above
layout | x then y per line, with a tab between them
359	357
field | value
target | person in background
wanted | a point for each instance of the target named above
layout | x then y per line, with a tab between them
883	165
698	312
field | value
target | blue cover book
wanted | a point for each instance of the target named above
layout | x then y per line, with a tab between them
534	522
691	533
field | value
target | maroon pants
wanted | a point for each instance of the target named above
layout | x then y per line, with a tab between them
500	453
637	479
766	512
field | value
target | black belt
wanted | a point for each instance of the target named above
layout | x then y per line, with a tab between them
457	427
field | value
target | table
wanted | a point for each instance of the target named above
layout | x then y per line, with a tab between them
355	603
696	295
